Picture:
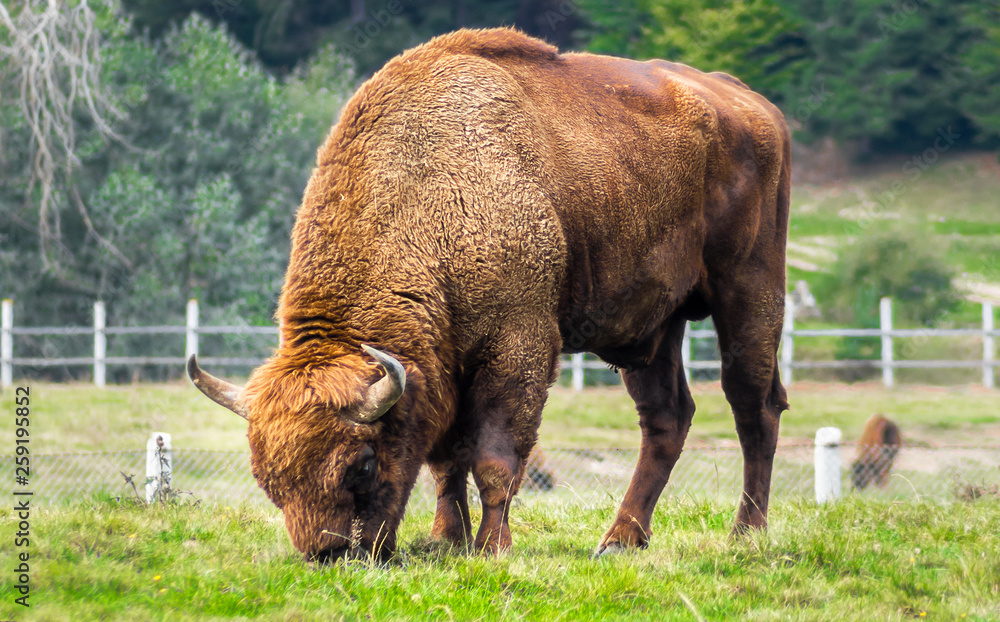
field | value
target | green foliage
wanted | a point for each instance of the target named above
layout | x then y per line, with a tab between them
285	34
619	29
893	73
896	264
885	74
892	263
215	156
882	74
753	40
981	64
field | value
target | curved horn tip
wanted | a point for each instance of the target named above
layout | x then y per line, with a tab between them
192	367
386	391
388	362
219	391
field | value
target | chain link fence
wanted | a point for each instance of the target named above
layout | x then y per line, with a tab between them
579	476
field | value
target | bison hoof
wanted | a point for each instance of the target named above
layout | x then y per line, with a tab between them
492	548
608	549
743	531
623	535
450	539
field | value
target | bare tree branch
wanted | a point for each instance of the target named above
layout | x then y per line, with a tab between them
107	244
54	54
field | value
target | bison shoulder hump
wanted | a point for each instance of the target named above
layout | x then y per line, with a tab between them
496	43
730	79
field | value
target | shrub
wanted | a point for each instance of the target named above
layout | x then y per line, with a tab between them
903	266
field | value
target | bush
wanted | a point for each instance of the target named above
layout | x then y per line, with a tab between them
900	265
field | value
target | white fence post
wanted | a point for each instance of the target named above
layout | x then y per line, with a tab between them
827	464
159	464
7	343
885	326
191	340
988	351
576	364
686	351
787	344
100	344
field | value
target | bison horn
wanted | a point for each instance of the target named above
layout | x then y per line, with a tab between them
384	393
219	391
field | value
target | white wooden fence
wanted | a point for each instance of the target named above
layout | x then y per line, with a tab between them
576	362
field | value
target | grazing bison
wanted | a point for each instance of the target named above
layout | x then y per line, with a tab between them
877	449
483	204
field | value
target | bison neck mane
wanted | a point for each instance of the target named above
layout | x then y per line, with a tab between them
352	280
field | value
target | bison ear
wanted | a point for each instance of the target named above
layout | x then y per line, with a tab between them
386	391
219	391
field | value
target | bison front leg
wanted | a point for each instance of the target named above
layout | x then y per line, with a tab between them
452	522
506	400
665	408
498	469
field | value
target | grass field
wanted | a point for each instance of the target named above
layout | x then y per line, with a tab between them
855	560
948	209
860	559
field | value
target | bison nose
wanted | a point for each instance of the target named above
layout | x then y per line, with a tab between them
328	555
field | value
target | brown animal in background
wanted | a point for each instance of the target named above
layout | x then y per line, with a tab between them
537	473
877	449
483	204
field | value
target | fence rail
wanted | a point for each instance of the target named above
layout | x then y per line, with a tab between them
576	363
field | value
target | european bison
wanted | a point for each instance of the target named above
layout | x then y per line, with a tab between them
877	449
483	204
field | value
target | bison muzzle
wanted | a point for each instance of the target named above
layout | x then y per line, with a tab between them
483	204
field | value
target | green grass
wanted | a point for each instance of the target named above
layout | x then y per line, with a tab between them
858	559
606	417
80	417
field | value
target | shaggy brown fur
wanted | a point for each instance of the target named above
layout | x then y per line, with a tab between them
483	204
877	449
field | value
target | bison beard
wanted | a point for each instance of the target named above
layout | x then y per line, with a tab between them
483	204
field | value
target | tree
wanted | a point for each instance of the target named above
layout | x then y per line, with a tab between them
195	198
895	72
284	34
754	40
880	74
980	99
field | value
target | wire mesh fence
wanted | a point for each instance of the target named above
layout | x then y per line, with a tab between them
578	476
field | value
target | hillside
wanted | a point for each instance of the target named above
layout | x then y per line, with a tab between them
951	201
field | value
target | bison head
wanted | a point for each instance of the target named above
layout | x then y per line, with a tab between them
327	447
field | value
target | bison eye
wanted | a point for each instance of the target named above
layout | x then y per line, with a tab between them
363	477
